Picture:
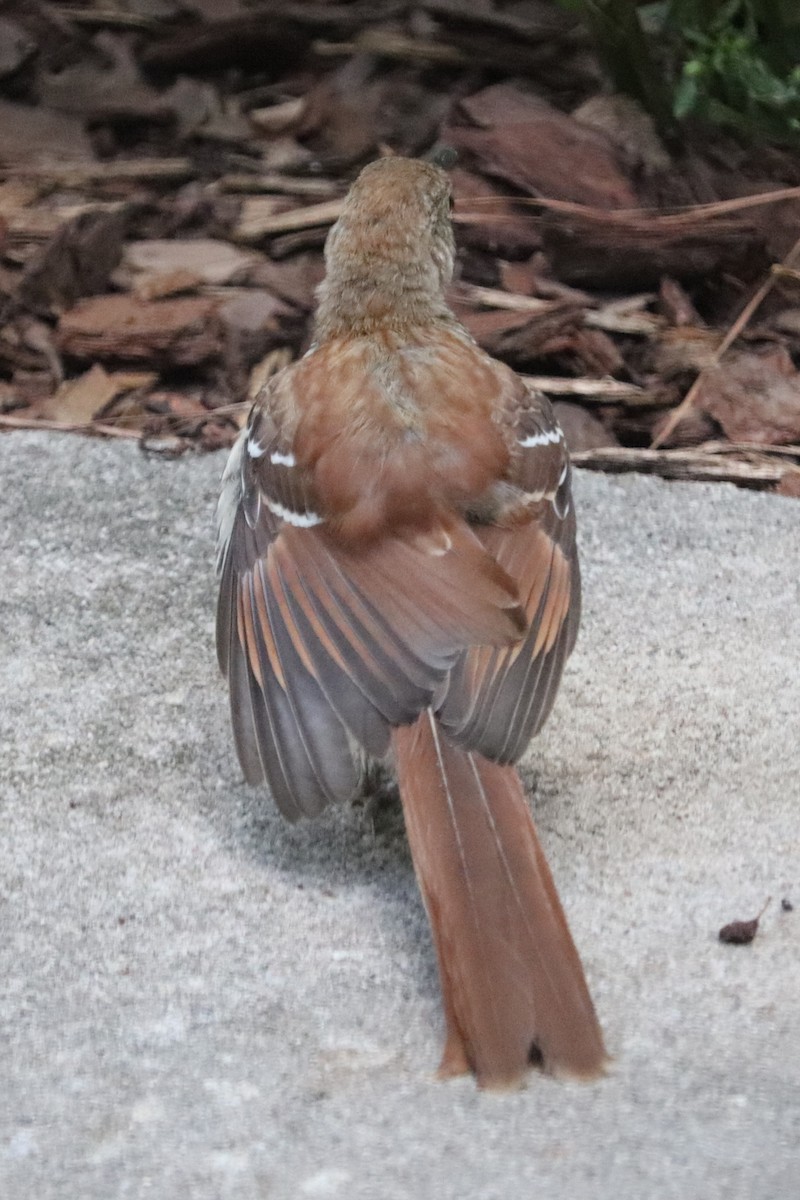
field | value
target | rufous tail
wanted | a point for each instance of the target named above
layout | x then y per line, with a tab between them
513	987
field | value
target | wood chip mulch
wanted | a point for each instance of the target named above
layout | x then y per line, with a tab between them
169	171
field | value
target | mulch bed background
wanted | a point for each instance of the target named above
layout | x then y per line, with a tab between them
169	171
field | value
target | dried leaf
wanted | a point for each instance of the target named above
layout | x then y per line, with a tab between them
182	405
521	337
28	345
16	196
279	118
78	400
340	114
627	126
77	261
294	279
35	135
269	365
15	47
541	150
754	397
253	322
676	305
499	226
684	350
789	484
217	435
208	259
741	933
157	287
581	428
106	84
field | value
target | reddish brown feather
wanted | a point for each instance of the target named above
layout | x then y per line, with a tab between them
499	697
539	568
247	634
437	602
378	462
512	982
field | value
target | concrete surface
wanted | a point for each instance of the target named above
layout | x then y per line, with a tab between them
199	1001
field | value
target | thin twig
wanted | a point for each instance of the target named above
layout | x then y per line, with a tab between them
293	185
392	45
225	410
730	337
473	293
786	273
683	215
109	17
783	451
697	464
255	222
8	421
599	391
613	320
79	174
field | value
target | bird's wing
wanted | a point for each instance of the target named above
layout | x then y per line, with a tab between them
498	697
323	643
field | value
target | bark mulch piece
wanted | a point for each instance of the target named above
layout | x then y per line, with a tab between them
168	174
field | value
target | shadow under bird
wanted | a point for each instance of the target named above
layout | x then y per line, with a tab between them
399	580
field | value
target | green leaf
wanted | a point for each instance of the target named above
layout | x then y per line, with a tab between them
685	96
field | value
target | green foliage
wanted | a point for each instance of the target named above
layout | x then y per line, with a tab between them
735	63
739	67
623	46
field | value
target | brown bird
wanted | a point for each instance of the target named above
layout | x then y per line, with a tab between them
399	577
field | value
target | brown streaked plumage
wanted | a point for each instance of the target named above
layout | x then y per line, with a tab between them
399	573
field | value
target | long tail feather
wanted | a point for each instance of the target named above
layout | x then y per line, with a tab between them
513	987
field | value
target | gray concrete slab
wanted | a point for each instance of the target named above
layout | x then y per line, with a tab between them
197	1000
